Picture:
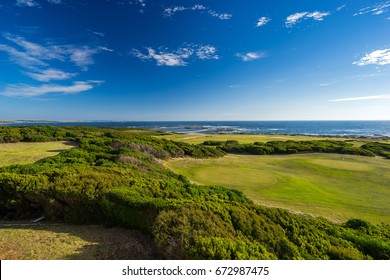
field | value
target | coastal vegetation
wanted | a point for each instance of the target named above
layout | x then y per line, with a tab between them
114	177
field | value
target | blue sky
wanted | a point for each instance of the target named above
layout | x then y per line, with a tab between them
194	60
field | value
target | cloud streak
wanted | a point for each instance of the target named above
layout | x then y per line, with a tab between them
26	3
178	57
50	75
169	12
293	19
32	55
28	91
377	9
370	97
251	56
378	57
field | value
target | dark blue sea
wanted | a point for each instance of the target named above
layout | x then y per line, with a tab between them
331	128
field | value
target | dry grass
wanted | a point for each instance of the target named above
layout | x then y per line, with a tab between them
63	241
24	153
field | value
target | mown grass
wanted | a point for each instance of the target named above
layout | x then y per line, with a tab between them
24	153
63	241
337	187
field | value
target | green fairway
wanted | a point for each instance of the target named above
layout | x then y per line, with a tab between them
337	187
24	153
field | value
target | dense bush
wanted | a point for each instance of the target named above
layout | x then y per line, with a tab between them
293	147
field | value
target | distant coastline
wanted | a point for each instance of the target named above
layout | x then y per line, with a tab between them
372	129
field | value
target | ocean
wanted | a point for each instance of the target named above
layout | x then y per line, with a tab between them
329	128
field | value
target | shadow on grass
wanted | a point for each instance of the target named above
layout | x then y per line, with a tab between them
74	242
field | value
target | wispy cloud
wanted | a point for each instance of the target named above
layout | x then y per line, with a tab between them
293	19
376	9
32	55
36	50
100	34
378	57
26	3
370	97
28	91
50	75
168	12
22	58
37	61
222	16
237	86
340	8
251	56
83	57
206	52
262	21
178	57
140	3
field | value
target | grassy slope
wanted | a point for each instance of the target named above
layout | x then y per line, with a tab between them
24	153
61	241
334	186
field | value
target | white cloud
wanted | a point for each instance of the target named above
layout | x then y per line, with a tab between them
377	9
168	12
251	56
28	91
206	52
293	19
178	57
370	97
262	21
378	57
26	3
164	58
49	75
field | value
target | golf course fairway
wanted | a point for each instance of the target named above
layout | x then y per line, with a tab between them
337	187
